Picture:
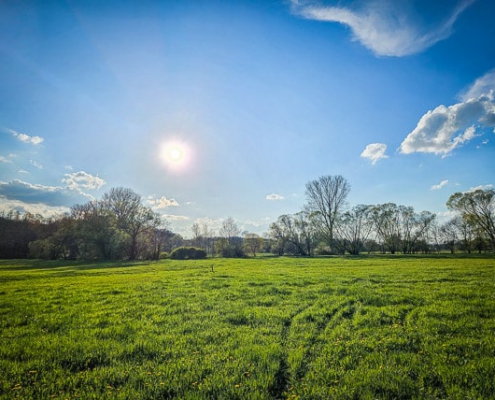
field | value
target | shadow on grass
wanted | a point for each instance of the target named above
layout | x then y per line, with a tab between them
65	265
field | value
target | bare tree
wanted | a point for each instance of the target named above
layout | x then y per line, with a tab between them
294	234
196	231
450	233
354	228
478	208
207	236
229	230
326	197
230	244
280	233
253	243
386	220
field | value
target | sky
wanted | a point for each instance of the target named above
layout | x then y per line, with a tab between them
216	109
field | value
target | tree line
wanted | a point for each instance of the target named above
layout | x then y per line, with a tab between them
120	226
326	225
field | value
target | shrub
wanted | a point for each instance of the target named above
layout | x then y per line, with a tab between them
233	251
187	253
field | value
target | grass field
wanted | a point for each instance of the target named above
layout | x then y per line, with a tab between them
267	328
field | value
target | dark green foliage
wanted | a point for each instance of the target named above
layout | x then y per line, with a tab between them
233	251
187	253
16	232
164	255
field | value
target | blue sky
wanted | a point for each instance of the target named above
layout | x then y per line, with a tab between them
216	109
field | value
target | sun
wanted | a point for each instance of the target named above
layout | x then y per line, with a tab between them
175	154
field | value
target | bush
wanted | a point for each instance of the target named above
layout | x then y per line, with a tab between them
233	251
187	253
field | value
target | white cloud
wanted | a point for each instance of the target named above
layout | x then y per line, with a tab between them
480	187
214	225
375	152
274	196
444	216
172	217
26	138
161	203
443	129
253	223
44	210
440	185
388	28
209	221
45	199
480	87
82	180
4	160
36	164
50	196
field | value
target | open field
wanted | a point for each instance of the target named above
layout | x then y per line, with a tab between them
322	328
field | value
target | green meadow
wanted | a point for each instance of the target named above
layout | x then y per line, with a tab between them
266	328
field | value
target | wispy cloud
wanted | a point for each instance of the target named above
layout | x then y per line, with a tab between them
375	152
4	160
440	185
388	28
172	217
443	129
35	140
482	86
161	203
36	164
274	197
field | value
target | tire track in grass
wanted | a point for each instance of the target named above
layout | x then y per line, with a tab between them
281	379
342	311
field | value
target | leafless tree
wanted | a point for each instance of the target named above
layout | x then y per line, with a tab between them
326	197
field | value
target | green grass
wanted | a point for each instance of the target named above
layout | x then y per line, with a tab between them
267	328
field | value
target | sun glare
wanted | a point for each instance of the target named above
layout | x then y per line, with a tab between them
175	154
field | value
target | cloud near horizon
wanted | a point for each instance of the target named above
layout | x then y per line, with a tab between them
443	129
49	196
384	27
480	187
274	197
173	217
375	152
44	210
161	203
